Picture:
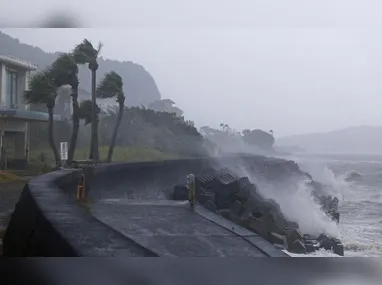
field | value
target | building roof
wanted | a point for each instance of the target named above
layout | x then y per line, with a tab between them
17	62
166	100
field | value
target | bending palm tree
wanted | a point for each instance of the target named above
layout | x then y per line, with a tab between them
42	90
86	53
65	72
112	86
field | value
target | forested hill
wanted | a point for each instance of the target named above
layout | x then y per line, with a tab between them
139	86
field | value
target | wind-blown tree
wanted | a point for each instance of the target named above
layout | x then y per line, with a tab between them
43	90
85	53
112	86
65	72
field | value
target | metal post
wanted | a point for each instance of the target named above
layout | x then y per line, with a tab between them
81	189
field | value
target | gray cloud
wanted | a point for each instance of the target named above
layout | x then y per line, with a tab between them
200	13
291	66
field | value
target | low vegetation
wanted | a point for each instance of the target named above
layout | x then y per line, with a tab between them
6	176
122	154
230	140
143	135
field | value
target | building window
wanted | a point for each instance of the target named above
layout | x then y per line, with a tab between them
11	89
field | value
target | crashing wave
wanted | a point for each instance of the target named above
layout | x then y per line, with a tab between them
352	176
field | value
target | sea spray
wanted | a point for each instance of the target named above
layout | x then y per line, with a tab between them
335	185
297	204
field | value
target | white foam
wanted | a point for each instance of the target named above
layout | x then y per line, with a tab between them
297	204
359	229
318	253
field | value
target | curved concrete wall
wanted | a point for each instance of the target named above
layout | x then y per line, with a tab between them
158	178
48	222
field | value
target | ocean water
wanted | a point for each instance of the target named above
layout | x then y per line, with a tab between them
357	181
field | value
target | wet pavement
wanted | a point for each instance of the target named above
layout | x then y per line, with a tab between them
171	228
9	195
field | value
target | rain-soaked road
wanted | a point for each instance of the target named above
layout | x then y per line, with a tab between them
171	228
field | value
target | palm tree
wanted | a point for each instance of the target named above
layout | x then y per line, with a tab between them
86	53
112	86
65	72
42	90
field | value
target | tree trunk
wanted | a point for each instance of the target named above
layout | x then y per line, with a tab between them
96	148
94	152
76	124
115	131
51	137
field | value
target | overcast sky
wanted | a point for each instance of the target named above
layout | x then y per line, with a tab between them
293	66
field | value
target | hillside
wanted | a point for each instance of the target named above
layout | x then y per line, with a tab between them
139	86
356	140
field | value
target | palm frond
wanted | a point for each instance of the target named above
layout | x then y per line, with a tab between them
65	70
110	86
85	111
65	61
80	57
84	52
99	48
86	46
41	88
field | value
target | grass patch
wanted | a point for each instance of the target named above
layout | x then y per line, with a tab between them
121	154
6	176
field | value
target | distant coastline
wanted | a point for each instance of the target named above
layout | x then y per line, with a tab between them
359	141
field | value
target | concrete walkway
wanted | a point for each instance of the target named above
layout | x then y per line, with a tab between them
171	229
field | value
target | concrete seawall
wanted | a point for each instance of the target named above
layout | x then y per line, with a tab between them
48	221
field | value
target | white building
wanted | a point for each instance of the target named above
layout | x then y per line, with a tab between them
165	105
14	114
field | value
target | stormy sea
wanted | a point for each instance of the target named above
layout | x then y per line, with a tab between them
357	181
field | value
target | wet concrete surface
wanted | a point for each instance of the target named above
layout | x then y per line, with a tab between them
171	228
9	195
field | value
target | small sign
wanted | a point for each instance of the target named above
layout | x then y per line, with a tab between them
64	150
